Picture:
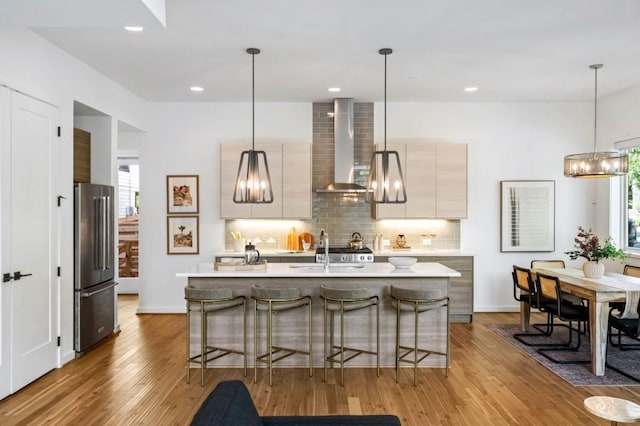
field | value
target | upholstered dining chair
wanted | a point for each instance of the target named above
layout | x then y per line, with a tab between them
629	327
550	287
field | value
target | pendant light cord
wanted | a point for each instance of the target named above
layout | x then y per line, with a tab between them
595	109
385	102
253	101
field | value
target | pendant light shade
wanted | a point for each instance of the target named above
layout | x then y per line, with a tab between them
596	164
253	183
386	183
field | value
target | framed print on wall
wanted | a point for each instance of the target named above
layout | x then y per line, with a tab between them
527	215
182	194
183	235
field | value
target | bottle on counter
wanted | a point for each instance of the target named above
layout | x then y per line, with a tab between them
293	242
376	243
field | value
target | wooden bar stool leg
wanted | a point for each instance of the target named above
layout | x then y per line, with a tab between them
310	340
269	342
378	337
188	343
415	347
341	343
324	338
255	341
244	331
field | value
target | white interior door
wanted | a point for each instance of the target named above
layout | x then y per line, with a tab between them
5	260
32	297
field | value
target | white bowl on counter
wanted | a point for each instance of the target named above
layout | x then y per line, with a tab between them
403	262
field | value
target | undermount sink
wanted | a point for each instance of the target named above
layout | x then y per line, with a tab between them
317	266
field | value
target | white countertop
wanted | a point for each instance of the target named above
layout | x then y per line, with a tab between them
388	252
371	270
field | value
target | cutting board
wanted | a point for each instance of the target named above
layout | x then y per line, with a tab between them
306	237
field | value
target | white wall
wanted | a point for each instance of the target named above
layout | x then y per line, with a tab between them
33	66
515	141
184	139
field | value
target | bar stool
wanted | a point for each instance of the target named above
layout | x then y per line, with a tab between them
273	301
417	301
208	301
343	301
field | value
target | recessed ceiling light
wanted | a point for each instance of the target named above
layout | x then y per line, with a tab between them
196	89
134	29
334	89
470	89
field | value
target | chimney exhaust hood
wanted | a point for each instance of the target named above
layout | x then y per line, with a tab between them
343	148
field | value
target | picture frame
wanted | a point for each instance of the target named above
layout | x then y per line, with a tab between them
183	194
527	215
183	235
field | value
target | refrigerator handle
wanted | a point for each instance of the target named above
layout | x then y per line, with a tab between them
97	233
107	226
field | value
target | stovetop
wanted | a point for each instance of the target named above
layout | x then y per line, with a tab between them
346	255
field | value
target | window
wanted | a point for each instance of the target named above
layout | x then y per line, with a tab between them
631	199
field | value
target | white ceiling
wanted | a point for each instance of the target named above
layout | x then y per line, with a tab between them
512	50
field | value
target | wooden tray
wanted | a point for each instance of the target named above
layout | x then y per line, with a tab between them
261	265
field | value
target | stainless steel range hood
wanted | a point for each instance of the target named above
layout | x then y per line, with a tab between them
343	148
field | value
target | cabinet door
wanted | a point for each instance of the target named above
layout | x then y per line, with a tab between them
296	181
229	161
394	211
451	181
274	159
421	180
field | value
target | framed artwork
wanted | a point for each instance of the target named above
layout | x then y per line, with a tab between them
183	235
527	215
182	194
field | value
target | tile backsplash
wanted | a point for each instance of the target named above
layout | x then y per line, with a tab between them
340	214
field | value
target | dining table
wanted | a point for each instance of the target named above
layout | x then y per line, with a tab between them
612	287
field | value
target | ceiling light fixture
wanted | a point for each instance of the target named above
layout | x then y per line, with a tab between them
334	89
253	184
196	89
385	165
596	164
470	89
134	29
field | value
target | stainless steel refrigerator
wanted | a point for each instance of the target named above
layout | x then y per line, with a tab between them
94	285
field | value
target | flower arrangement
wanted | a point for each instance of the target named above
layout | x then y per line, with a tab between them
587	245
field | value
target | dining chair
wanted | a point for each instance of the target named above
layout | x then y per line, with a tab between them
550	287
632	271
539	264
629	327
524	290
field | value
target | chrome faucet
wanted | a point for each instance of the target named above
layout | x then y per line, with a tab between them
325	243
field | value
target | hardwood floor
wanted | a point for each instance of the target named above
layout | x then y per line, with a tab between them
137	377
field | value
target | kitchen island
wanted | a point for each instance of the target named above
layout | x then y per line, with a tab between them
291	327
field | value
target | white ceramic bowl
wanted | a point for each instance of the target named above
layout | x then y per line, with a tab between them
402	262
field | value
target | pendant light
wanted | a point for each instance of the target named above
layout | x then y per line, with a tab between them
386	182
596	164
253	184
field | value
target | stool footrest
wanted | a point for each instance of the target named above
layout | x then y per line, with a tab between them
331	358
410	351
275	350
212	350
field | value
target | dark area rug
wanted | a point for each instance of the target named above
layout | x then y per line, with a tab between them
577	374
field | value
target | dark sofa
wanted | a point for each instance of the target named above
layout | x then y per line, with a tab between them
230	404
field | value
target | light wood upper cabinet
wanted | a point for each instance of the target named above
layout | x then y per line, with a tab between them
436	179
451	181
290	171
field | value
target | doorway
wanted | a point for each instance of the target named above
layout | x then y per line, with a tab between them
128	223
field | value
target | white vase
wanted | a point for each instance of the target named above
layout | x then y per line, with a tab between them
593	269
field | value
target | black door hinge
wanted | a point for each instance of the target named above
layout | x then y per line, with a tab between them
59	272
59	340
59	131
